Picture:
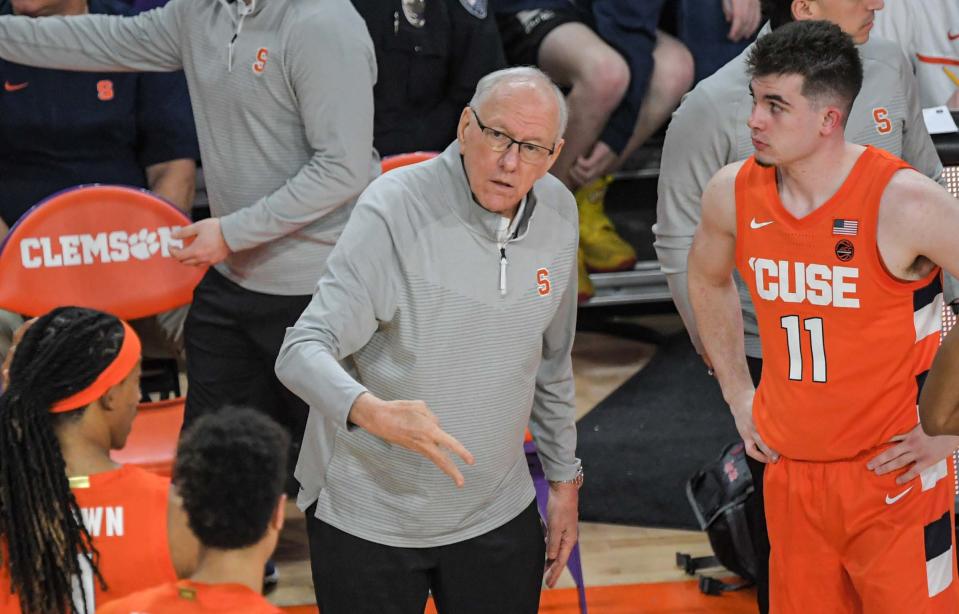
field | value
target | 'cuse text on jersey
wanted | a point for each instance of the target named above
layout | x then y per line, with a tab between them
798	282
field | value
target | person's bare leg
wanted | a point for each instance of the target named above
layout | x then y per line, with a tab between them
602	248
597	75
673	73
672	76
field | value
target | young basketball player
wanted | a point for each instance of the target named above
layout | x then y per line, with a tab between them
838	244
230	472
76	529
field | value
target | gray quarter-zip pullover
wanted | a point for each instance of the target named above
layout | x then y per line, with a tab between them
417	297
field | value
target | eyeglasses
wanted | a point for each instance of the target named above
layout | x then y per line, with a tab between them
500	142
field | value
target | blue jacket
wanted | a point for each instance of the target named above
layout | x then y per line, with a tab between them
62	128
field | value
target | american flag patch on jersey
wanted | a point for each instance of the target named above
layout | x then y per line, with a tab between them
845	227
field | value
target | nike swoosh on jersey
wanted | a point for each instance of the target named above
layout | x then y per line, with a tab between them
756	225
952	36
891	500
14	87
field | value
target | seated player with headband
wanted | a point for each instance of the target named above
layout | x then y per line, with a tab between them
71	398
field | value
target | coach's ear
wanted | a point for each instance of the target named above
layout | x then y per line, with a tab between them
465	118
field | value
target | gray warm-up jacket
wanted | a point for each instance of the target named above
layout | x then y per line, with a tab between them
413	297
709	131
282	94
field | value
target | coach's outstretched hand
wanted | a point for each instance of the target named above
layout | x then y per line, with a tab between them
412	425
913	448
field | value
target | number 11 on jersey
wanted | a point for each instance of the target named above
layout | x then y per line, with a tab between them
817	347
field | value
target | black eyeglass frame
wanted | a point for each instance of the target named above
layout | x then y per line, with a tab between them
483	128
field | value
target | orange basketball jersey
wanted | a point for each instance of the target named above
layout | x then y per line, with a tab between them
188	597
125	511
843	342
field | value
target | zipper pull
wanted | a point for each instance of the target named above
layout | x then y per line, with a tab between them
502	270
229	59
396	22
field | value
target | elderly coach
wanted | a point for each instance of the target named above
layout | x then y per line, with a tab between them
452	293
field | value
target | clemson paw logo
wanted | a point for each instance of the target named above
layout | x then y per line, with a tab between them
143	244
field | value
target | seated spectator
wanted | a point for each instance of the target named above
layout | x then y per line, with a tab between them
71	397
716	31
928	33
430	55
230	471
59	129
625	78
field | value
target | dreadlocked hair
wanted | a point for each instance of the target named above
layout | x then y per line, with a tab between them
40	521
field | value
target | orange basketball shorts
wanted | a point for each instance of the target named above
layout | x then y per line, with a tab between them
845	540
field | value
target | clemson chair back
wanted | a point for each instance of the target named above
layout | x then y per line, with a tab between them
390	162
104	247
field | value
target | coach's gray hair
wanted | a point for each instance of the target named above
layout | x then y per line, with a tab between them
521	73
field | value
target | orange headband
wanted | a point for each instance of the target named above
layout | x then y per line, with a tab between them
121	366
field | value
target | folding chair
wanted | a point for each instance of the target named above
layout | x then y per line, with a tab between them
574	563
390	162
107	248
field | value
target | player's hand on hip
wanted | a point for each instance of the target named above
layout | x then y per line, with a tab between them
755	446
208	246
914	450
562	528
410	424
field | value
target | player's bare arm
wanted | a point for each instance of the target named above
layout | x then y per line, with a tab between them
918	227
918	223
939	402
716	306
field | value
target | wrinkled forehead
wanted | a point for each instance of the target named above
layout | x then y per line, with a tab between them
527	106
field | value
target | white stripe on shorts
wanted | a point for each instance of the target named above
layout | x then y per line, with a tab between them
939	572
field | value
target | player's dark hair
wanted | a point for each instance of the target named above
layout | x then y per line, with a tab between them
777	12
820	52
61	354
230	471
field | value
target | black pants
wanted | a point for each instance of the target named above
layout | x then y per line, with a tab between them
233	336
756	513
500	571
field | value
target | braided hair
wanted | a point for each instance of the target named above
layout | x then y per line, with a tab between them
61	354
